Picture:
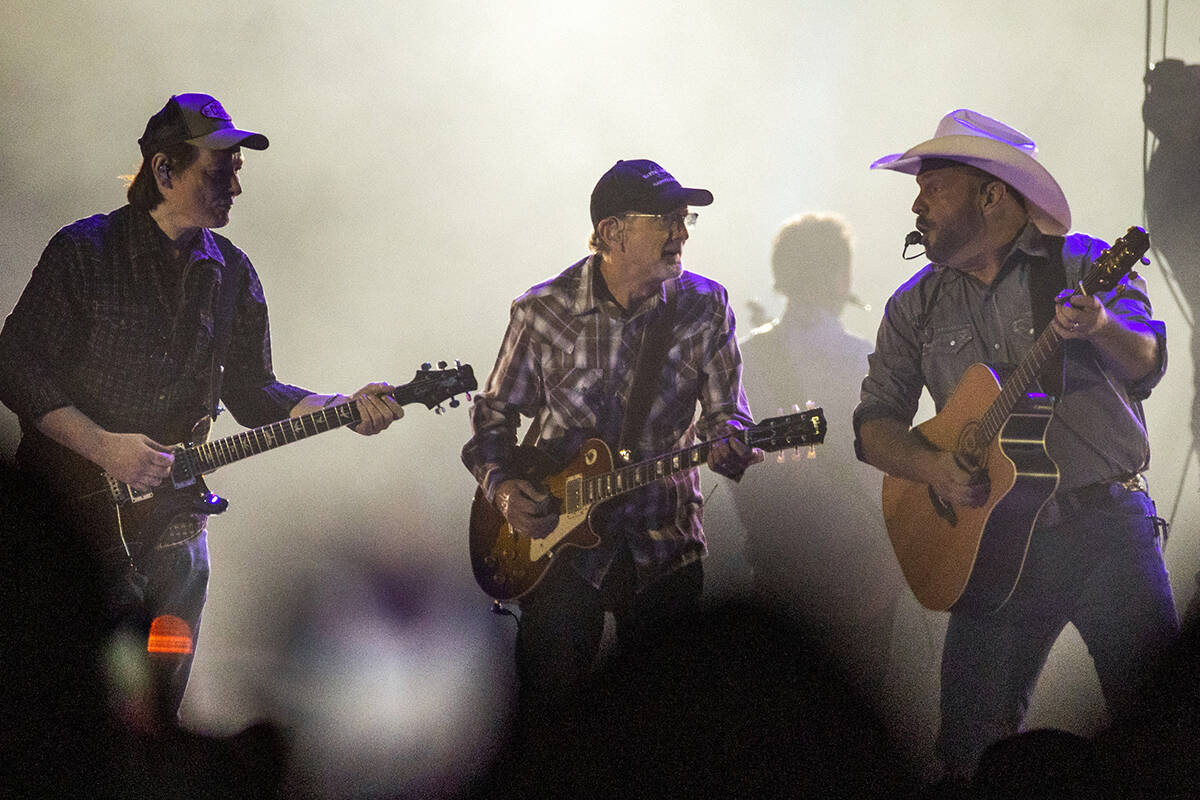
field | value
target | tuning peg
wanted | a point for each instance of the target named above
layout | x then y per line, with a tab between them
441	365
454	402
425	366
438	409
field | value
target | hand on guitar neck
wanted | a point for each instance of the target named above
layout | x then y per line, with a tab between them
374	402
731	457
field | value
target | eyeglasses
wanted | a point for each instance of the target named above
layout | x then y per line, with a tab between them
672	221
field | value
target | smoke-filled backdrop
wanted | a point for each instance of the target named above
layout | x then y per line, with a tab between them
431	159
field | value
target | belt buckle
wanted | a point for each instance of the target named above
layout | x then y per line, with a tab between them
1134	483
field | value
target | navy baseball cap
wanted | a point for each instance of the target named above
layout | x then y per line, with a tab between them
197	119
642	186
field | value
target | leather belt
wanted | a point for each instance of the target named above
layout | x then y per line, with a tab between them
1064	505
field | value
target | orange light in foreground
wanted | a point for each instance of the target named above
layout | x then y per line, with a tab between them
169	634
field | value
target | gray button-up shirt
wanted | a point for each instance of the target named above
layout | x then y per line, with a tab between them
941	321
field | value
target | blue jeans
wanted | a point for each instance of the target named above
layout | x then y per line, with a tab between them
176	584
1100	569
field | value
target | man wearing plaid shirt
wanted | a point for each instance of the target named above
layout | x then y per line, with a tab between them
567	361
123	339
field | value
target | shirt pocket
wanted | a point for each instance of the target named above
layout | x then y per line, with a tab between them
574	395
945	355
947	341
1021	332
122	329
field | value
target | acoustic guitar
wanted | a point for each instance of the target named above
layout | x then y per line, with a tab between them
963	558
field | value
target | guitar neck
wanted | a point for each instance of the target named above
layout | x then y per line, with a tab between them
1106	271
203	458
1017	386
634	476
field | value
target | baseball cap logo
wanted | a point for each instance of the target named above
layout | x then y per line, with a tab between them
214	110
657	175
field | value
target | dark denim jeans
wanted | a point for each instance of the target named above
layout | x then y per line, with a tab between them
176	584
1100	569
562	622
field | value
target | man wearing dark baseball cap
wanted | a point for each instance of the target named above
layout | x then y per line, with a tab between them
643	186
134	324
623	345
199	120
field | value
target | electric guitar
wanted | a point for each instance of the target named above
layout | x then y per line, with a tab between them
962	558
508	564
116	511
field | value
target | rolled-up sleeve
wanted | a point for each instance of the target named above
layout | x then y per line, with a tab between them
894	380
513	388
41	332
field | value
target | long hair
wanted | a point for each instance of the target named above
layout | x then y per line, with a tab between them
143	191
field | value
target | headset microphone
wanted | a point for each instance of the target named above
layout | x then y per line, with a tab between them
914	237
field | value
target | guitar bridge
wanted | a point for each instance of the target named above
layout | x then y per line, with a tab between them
123	493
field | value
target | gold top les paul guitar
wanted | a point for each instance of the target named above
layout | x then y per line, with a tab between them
962	558
508	564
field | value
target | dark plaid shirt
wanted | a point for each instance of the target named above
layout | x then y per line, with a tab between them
112	325
568	358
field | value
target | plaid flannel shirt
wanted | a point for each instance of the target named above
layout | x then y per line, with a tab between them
109	324
568	359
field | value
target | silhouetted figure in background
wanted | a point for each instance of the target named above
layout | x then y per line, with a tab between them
814	531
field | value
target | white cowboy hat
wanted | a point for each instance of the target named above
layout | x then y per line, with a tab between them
971	138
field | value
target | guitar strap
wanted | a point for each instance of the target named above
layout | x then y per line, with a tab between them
652	354
1047	279
228	289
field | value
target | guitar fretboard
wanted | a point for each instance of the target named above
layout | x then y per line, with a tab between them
796	430
1016	387
201	459
1104	274
626	479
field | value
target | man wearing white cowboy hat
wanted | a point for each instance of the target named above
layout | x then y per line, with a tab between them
994	223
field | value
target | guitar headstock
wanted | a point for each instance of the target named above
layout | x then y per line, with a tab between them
1113	263
431	386
792	430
